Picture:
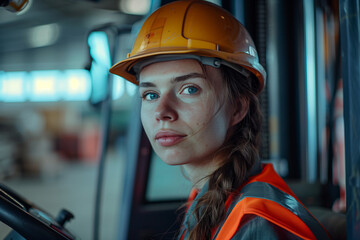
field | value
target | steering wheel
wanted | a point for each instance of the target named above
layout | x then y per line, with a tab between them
30	221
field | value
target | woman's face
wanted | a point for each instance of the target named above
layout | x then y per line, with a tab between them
184	113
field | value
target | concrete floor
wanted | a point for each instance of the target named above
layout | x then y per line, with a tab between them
73	188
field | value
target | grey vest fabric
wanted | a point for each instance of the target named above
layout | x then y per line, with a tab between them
255	227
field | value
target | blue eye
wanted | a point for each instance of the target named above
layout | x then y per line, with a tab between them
150	96
190	90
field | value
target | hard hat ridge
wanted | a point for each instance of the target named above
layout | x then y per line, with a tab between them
196	28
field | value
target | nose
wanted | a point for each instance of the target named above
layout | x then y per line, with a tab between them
166	109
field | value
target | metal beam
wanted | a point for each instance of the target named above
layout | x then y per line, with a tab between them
350	52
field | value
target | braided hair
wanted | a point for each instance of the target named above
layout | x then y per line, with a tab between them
238	155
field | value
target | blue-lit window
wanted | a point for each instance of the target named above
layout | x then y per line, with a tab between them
310	89
45	86
130	88
13	86
100	53
166	182
76	85
118	87
56	85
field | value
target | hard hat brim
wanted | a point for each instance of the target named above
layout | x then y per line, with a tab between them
124	67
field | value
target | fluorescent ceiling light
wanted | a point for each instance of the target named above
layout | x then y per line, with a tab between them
136	7
44	35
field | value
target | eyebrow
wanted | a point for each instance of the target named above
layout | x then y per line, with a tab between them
176	79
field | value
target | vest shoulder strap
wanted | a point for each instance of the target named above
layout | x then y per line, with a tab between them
280	208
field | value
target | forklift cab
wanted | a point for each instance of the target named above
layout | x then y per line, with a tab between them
153	193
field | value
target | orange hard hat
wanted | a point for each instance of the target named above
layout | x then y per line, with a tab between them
191	29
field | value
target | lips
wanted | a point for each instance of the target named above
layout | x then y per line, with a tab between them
167	138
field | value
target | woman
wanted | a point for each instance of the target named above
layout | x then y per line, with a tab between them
199	76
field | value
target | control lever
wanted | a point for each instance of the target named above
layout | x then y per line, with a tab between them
63	217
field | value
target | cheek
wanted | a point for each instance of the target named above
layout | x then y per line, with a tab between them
196	116
207	111
205	118
218	127
215	119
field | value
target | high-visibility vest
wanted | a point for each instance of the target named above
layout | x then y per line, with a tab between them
268	196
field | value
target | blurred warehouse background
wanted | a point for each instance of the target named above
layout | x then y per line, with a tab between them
49	131
54	61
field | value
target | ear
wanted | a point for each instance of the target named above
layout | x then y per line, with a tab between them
239	111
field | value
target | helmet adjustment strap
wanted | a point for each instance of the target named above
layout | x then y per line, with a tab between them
210	61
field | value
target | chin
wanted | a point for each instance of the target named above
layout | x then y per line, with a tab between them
172	160
171	157
165	154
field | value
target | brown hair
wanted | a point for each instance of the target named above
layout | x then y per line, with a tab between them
239	154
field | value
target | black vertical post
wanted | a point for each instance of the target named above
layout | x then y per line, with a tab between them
255	21
350	52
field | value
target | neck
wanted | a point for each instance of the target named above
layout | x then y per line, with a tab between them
199	173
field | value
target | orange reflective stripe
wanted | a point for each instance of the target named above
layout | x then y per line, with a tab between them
266	195
194	192
268	210
271	212
269	175
182	236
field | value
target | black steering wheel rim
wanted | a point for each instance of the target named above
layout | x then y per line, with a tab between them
14	212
